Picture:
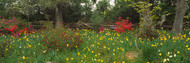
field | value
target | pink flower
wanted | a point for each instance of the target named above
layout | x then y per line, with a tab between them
101	28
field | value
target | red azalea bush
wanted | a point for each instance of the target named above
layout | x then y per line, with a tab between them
62	38
122	25
14	27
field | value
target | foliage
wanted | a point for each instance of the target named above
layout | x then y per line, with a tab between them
48	25
147	27
102	6
97	19
122	9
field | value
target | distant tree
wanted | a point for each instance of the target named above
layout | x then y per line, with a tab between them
181	8
57	5
5	6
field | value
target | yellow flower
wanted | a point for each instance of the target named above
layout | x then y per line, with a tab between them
160	43
81	60
84	56
27	39
98	59
123	61
113	50
113	43
160	54
102	60
178	52
127	39
186	46
122	49
108	48
162	28
72	58
113	53
6	49
152	45
78	53
168	36
165	39
117	48
77	33
96	55
29	46
67	45
23	57
92	51
67	59
92	45
174	41
147	62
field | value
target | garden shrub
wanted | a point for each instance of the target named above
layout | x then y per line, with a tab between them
149	34
97	19
61	39
122	25
13	26
48	25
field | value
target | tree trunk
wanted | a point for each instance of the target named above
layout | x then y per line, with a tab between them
181	8
58	16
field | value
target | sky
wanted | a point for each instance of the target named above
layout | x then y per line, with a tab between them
111	3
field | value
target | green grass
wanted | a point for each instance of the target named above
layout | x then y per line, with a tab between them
107	47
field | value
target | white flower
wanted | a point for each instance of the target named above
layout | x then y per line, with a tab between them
44	51
168	52
20	47
164	60
168	59
121	41
174	55
170	56
158	50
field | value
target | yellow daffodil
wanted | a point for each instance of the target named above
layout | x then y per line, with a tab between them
67	45
178	52
160	54
23	57
92	51
78	53
84	56
101	60
186	46
71	58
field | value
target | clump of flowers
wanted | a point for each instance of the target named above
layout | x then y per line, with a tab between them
122	25
14	27
62	38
